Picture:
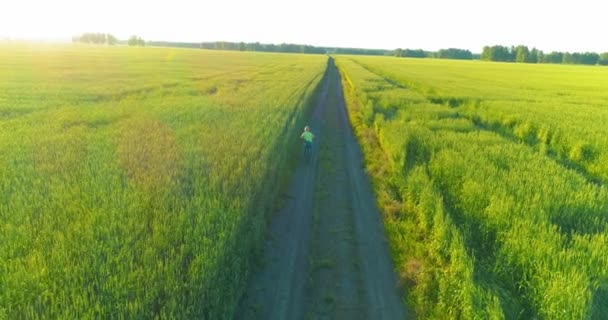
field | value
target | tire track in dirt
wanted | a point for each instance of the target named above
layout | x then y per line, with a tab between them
278	289
383	297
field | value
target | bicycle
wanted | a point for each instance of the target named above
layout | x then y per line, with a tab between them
307	152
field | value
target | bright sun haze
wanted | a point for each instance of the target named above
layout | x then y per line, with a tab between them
431	25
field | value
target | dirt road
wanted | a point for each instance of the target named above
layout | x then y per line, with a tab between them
326	256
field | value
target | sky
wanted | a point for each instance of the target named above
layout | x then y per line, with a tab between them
558	25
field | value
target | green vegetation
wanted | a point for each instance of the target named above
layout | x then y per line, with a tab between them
136	41
136	182
521	53
493	182
411	53
453	53
96	38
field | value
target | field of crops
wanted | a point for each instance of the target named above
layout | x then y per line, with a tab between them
493	180
136	182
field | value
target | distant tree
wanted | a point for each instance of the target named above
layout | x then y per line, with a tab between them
419	53
540	57
589	58
242	46
136	41
453	53
100	38
289	48
111	40
535	56
603	59
522	54
510	54
498	53
570	58
554	57
271	48
95	38
486	53
220	45
84	38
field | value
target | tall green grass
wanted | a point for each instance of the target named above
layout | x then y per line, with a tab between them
493	185
136	182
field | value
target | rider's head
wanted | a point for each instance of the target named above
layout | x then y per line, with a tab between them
306	128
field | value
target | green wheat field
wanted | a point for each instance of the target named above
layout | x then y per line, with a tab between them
493	182
136	182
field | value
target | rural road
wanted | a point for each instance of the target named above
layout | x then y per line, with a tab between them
326	256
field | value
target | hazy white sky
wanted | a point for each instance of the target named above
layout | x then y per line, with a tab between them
469	24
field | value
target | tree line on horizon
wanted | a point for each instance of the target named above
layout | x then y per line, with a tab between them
136	41
106	38
450	53
95	38
520	54
490	53
242	46
523	54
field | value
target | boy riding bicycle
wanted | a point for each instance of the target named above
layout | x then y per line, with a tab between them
308	137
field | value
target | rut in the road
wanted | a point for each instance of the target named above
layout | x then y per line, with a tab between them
327	257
